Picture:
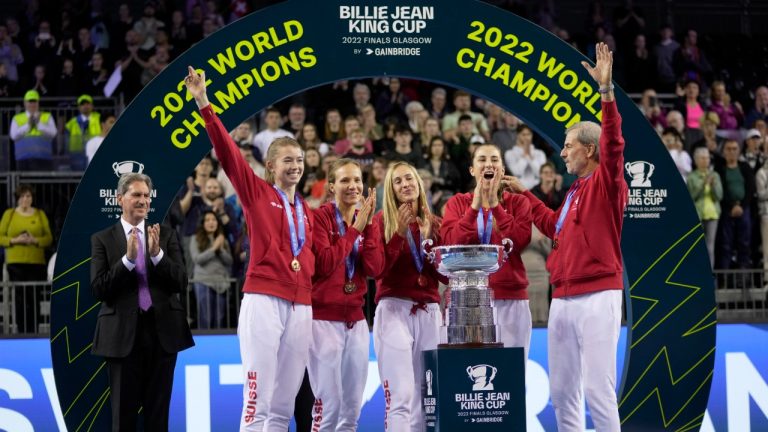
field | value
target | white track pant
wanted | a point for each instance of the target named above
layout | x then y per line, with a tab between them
336	352
399	337
513	318
274	346
582	339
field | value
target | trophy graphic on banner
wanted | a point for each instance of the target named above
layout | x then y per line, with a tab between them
482	376
470	317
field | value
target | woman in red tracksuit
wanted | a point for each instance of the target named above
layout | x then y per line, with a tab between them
275	323
487	216
408	316
339	330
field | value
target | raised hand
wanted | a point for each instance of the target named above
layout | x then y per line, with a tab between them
513	184
602	72
218	205
372	197
493	191
477	196
153	239
218	243
132	248
425	223
364	214
404	216
196	86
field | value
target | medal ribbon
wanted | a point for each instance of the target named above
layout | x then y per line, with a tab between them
566	206
484	228
297	240
418	259
352	257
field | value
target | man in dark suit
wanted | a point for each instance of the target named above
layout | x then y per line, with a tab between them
137	271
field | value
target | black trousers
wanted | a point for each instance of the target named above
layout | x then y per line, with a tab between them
143	379
27	298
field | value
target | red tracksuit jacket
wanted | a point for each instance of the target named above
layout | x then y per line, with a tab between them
394	269
269	270
512	220
329	301
588	253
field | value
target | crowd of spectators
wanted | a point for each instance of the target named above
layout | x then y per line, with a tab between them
717	142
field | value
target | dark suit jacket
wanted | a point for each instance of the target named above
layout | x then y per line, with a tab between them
117	288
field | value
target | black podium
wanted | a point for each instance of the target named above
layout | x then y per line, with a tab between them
474	389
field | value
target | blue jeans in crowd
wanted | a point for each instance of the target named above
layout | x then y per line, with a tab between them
211	307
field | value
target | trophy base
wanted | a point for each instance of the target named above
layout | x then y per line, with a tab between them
470	345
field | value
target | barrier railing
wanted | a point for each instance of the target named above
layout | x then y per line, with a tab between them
742	296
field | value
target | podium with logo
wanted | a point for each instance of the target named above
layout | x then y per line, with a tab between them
474	389
472	383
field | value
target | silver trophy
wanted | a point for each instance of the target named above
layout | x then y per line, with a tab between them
470	318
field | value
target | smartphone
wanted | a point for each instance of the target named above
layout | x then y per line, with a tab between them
652	101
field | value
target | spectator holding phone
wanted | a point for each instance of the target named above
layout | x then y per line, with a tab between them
649	105
25	233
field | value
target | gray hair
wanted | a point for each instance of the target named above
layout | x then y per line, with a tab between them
363	86
439	91
587	132
413	106
700	151
127	179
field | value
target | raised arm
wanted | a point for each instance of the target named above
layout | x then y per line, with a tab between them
543	217
611	142
246	183
514	222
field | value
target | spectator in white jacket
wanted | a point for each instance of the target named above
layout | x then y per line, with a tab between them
524	160
674	143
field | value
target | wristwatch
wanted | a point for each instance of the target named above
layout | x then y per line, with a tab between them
605	90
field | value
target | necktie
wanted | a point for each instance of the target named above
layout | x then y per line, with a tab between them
145	300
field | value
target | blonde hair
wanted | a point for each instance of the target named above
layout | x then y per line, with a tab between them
391	204
276	145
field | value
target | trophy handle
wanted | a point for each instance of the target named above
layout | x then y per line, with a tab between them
431	254
507	246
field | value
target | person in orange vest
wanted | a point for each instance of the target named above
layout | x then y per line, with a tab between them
32	132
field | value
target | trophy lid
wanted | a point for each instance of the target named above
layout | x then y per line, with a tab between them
455	258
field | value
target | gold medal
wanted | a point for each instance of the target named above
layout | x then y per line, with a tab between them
295	265
422	281
350	287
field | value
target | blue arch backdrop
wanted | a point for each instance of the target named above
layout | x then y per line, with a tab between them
300	44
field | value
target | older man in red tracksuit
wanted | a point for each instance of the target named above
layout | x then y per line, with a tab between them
586	266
